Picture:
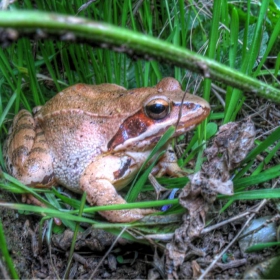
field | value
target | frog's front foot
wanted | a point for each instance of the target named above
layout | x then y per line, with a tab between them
168	165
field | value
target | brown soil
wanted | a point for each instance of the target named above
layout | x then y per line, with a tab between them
139	260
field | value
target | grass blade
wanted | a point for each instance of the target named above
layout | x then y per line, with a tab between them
6	255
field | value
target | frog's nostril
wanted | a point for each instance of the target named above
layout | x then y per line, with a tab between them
191	106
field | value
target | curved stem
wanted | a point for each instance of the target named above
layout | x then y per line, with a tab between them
41	25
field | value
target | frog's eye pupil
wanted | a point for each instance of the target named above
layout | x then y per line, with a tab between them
157	109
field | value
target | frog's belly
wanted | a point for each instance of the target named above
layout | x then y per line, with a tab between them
68	171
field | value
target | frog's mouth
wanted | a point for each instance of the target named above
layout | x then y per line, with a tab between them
190	120
139	130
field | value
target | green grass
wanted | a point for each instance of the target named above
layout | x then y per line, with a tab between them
234	47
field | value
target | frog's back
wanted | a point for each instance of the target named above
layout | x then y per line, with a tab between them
81	96
107	100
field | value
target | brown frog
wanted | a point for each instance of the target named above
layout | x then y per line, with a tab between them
94	138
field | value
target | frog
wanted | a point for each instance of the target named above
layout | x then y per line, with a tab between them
95	138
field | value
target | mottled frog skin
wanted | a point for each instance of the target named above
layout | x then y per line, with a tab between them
94	138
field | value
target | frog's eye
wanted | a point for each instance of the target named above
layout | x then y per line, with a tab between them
157	109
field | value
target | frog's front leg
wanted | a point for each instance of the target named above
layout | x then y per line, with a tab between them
26	152
168	165
97	181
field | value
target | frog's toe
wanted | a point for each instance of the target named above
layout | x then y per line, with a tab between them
30	199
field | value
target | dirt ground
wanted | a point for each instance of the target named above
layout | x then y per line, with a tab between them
51	261
138	261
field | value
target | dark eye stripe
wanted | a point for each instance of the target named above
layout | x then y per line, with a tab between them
130	128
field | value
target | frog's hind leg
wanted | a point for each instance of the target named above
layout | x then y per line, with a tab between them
26	152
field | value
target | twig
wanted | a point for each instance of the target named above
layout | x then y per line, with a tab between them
169	236
237	217
107	253
263	225
4	270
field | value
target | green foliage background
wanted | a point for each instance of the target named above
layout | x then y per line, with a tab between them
242	35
